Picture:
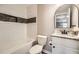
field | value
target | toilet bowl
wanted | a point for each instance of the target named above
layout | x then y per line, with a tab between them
36	49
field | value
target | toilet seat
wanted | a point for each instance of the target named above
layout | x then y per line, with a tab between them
36	49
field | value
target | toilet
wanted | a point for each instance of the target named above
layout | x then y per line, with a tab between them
36	49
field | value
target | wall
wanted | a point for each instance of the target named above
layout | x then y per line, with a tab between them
22	10
45	18
74	16
32	27
12	35
32	11
19	10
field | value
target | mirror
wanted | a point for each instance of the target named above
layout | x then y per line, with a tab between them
66	16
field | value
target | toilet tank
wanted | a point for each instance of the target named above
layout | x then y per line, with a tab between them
42	39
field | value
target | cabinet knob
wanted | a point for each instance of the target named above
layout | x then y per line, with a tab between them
53	46
50	43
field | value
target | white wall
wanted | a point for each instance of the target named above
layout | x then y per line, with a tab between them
32	11
45	18
75	16
31	30
12	35
32	27
22	10
19	10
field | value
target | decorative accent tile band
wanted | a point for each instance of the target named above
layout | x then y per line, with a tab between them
10	18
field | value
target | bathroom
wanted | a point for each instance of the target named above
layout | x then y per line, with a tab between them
39	29
36	29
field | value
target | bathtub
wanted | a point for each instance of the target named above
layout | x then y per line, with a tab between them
22	48
14	38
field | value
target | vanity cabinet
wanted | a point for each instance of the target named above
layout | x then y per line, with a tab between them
64	46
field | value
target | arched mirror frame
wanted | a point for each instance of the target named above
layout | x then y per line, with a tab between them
70	15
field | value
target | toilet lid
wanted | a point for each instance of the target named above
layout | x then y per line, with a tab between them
36	49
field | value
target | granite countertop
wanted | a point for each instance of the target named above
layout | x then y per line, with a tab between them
65	36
